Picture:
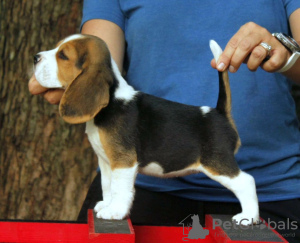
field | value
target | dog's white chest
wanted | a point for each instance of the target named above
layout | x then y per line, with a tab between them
93	134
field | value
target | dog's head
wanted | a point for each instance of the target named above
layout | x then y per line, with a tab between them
80	64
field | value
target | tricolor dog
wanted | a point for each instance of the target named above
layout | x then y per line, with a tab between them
133	132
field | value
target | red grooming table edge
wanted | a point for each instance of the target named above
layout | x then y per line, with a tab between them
162	234
37	232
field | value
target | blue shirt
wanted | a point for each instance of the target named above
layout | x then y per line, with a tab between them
168	55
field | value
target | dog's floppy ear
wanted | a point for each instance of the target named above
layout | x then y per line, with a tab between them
87	94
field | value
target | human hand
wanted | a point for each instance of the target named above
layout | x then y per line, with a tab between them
244	47
53	96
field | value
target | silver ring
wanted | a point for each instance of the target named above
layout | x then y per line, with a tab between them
267	47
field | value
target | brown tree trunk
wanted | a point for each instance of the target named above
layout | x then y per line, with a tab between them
46	165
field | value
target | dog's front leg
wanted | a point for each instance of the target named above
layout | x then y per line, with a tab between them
122	193
105	171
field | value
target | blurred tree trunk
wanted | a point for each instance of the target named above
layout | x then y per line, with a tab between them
46	165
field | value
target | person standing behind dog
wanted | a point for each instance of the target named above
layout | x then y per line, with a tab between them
163	49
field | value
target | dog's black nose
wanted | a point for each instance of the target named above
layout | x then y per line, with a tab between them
36	58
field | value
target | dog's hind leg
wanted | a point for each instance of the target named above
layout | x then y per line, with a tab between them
243	186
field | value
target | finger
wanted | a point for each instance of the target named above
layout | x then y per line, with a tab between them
223	62
53	96
278	59
256	58
224	59
241	44
244	49
232	45
213	63
279	56
34	86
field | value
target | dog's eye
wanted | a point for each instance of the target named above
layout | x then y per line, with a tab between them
62	56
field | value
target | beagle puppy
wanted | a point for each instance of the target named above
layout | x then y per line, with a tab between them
133	132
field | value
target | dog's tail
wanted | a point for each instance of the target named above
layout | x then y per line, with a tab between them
224	100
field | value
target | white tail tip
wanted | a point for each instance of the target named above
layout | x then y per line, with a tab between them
216	49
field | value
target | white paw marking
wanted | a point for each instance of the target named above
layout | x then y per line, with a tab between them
245	219
100	205
117	211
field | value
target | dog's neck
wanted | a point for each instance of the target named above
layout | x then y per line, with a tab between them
121	93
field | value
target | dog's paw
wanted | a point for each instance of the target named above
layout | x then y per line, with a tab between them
113	212
245	219
100	205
